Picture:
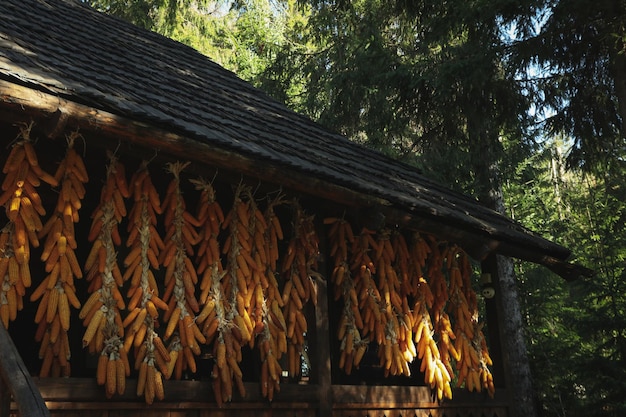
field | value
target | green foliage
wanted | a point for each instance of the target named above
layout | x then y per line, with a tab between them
243	36
577	341
579	88
420	81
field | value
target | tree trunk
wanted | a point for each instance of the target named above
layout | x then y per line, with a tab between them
618	68
617	56
510	319
514	355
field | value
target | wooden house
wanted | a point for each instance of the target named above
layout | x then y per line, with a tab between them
372	257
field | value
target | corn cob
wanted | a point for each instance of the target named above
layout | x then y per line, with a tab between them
472	354
209	217
23	208
300	269
57	289
101	312
393	334
264	294
144	303
436	374
231	326
180	275
343	245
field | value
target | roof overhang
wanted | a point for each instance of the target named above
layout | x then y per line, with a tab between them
58	114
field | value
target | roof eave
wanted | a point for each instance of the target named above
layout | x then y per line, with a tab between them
61	112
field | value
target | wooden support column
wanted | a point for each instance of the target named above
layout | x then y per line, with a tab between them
515	368
322	347
16	379
5	398
494	332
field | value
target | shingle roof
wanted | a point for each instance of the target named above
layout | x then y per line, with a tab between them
65	48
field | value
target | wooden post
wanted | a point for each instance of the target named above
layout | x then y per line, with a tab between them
322	349
5	399
516	368
16	378
322	346
493	326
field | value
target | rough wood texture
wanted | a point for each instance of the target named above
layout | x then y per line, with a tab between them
515	356
322	348
193	399
494	335
359	401
5	398
16	378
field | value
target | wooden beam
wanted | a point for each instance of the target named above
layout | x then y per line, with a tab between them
16	377
393	397
322	337
489	266
117	128
480	245
184	391
5	398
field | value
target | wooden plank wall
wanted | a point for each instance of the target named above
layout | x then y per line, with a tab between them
79	397
195	399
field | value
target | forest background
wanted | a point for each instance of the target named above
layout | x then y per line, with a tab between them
521	104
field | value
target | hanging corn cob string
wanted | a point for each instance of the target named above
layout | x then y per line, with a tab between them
272	339
23	209
341	235
404	315
370	320
300	269
472	354
251	264
441	321
255	298
389	353
57	291
436	374
210	218
151	356
402	264
419	253
213	314
213	329
436	278
101	312
233	331
180	275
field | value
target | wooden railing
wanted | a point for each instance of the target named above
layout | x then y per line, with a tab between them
72	397
394	401
16	382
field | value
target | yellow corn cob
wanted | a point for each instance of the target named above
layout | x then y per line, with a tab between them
121	376
111	377
53	301
101	369
93	326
